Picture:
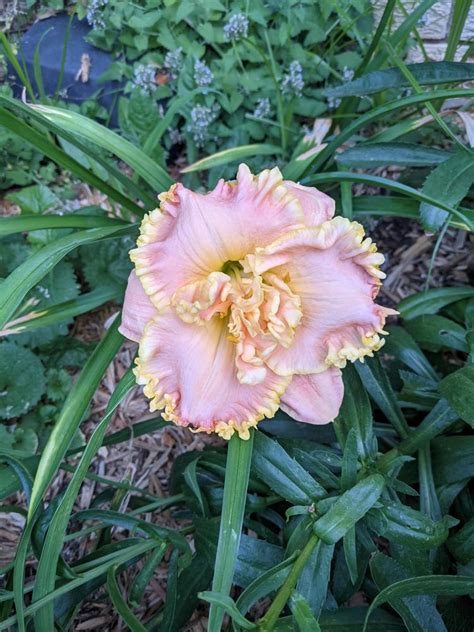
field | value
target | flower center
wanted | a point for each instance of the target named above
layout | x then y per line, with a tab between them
261	312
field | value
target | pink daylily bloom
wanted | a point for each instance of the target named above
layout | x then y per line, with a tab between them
248	298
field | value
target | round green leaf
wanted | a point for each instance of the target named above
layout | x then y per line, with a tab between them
22	381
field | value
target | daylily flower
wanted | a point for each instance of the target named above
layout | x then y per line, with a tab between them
247	298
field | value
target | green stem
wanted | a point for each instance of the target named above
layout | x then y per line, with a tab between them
270	618
239	457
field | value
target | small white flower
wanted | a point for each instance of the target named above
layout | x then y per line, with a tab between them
144	78
262	109
293	82
202	74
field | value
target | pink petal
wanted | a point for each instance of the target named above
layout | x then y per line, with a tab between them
137	309
336	275
316	398
194	234
317	206
190	371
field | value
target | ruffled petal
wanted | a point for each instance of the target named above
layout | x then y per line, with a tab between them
137	309
317	206
190	372
193	234
335	273
316	398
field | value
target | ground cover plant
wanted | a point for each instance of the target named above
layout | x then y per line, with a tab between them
362	523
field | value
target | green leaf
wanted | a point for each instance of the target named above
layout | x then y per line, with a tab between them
458	389
439	419
264	584
237	474
20	224
304	618
86	128
461	545
433	332
419	612
35	199
231	155
447	585
375	380
22	380
313	583
352	619
224	602
431	301
401	524
274	466
448	183
402	345
28	274
426	74
381	154
349	509
107	264
120	604
355	414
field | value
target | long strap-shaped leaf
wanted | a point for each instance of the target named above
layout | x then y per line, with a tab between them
45	146
59	440
22	223
46	571
237	474
30	272
142	164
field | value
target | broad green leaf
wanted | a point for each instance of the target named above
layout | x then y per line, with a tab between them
349	509
274	466
458	389
448	183
22	380
426	74
14	289
84	127
35	199
380	154
461	544
432	301
231	155
351	619
264	584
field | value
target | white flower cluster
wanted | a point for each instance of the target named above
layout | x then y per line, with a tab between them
94	15
144	78
347	73
333	103
236	27
201	117
293	82
203	76
173	62
262	109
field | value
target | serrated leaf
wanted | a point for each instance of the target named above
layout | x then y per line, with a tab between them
107	264
449	183
35	199
22	380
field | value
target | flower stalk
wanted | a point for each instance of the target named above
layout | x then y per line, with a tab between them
268	621
239	457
